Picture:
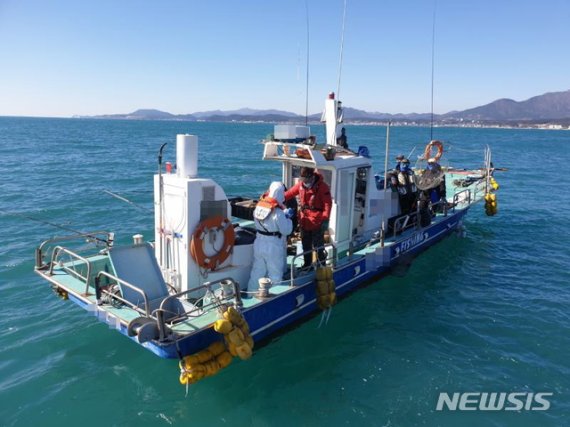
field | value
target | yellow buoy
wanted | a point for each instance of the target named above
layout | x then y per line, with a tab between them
191	360
223	326
217	348
195	376
233	315
322	287
204	356
236	337
232	349
331	286
323	301
244	327
249	341
224	359
244	351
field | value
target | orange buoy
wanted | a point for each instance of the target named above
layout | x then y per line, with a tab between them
437	144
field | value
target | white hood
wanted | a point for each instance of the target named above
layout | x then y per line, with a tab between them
276	191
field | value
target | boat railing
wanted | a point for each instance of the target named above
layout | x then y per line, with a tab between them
457	198
407	221
413	219
43	248
442	203
331	258
159	314
122	282
215	302
72	270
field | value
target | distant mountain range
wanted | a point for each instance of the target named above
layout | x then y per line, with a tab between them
554	106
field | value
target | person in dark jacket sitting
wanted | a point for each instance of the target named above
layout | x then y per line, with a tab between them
315	204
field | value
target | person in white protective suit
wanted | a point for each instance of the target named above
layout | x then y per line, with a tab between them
273	225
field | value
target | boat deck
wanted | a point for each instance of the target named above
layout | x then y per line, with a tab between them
197	318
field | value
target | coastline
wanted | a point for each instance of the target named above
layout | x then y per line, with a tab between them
542	125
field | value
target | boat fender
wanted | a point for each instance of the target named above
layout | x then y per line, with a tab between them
491	204
244	351
239	337
218	223
437	144
208	362
325	288
203	364
223	326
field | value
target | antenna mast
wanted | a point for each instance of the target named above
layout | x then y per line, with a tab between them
341	50
307	76
432	66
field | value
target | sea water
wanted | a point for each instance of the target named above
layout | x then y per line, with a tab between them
488	312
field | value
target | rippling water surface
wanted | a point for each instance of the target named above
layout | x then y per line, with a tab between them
484	313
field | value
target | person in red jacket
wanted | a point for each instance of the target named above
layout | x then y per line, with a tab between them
314	211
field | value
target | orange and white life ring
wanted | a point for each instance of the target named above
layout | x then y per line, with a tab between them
437	144
219	223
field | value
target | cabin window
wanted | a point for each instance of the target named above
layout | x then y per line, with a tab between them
344	203
296	173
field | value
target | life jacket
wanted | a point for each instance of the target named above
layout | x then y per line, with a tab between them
263	209
406	183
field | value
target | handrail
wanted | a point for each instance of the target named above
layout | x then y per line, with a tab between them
397	223
456	197
333	257
124	301
56	252
130	286
208	285
92	234
405	219
443	203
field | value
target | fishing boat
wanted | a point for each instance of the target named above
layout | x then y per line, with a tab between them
185	294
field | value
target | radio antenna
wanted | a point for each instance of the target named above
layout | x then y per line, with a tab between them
432	66
307	73
341	50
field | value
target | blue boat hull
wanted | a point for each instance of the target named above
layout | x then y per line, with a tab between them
276	313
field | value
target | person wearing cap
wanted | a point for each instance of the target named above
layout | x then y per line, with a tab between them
399	159
433	165
273	225
341	140
315	204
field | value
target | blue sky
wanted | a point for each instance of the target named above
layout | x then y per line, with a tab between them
62	57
